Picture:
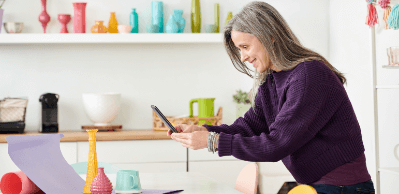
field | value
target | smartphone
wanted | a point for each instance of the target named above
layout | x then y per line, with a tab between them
163	118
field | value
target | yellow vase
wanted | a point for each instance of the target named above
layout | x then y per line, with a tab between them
229	16
113	24
92	166
99	27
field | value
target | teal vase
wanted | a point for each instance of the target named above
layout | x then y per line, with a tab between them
171	26
195	16
181	22
134	21
157	14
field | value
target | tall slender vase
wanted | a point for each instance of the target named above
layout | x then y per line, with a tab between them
79	19
92	166
113	24
229	17
157	15
195	16
134	21
217	17
44	18
1	18
181	22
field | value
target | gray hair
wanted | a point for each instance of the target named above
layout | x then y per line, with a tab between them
266	24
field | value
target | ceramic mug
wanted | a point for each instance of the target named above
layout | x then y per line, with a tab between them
127	181
205	109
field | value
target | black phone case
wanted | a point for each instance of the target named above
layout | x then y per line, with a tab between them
163	118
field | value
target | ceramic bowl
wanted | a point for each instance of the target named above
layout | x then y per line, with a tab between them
102	108
124	29
210	28
152	28
13	27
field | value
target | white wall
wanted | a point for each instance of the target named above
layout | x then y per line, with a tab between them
166	75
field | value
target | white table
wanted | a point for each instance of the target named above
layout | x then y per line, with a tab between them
190	182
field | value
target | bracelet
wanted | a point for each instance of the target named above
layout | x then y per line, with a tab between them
213	139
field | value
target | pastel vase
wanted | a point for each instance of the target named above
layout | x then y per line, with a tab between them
157	14
44	18
134	21
195	16
1	18
101	184
113	24
178	16
79	18
229	16
171	26
217	18
99	27
64	20
18	182
92	165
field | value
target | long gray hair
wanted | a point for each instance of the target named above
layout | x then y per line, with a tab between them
265	23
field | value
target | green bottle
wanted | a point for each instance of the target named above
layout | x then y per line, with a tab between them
195	16
217	17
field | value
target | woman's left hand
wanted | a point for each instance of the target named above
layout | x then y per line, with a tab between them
195	140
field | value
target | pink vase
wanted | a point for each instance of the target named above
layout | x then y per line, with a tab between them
44	18
101	184
64	20
79	18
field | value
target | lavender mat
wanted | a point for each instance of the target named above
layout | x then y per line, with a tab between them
39	157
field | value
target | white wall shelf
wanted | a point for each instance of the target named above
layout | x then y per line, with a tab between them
387	86
30	38
391	170
391	66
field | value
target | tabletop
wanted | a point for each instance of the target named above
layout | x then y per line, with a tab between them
190	182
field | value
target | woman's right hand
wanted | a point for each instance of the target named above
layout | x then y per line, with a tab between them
184	128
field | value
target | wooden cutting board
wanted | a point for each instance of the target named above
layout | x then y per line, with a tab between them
103	128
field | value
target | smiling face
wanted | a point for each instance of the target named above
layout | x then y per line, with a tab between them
252	50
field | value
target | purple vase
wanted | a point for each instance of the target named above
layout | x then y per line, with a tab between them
79	18
101	184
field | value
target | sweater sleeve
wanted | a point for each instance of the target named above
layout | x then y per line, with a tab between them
251	124
297	122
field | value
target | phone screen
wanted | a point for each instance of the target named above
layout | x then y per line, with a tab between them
163	118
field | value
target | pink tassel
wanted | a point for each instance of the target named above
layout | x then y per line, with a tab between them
372	17
387	11
384	3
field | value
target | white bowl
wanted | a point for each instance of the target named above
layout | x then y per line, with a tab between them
103	108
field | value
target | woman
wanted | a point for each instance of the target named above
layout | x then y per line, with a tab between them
300	112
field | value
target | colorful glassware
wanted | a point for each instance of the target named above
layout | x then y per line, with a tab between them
101	184
229	16
178	16
195	16
92	166
79	18
44	18
134	21
217	17
99	27
171	26
157	15
113	24
64	20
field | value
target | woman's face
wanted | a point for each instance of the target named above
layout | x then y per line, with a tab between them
252	50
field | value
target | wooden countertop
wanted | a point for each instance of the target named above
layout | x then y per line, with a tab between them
121	135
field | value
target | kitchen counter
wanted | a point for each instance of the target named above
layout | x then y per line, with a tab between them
120	135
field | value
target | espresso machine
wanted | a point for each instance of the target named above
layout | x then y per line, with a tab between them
49	112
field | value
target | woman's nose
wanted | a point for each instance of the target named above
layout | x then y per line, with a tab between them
243	57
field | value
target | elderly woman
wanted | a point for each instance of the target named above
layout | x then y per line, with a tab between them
300	113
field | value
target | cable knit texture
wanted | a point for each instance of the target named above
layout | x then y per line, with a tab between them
303	117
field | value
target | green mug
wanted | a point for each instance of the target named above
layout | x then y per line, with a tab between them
127	181
205	109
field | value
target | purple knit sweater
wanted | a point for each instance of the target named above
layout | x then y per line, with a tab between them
303	117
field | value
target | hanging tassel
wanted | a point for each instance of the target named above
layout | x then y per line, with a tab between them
393	20
372	17
387	11
384	3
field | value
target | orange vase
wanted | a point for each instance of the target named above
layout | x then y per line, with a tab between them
99	27
113	24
